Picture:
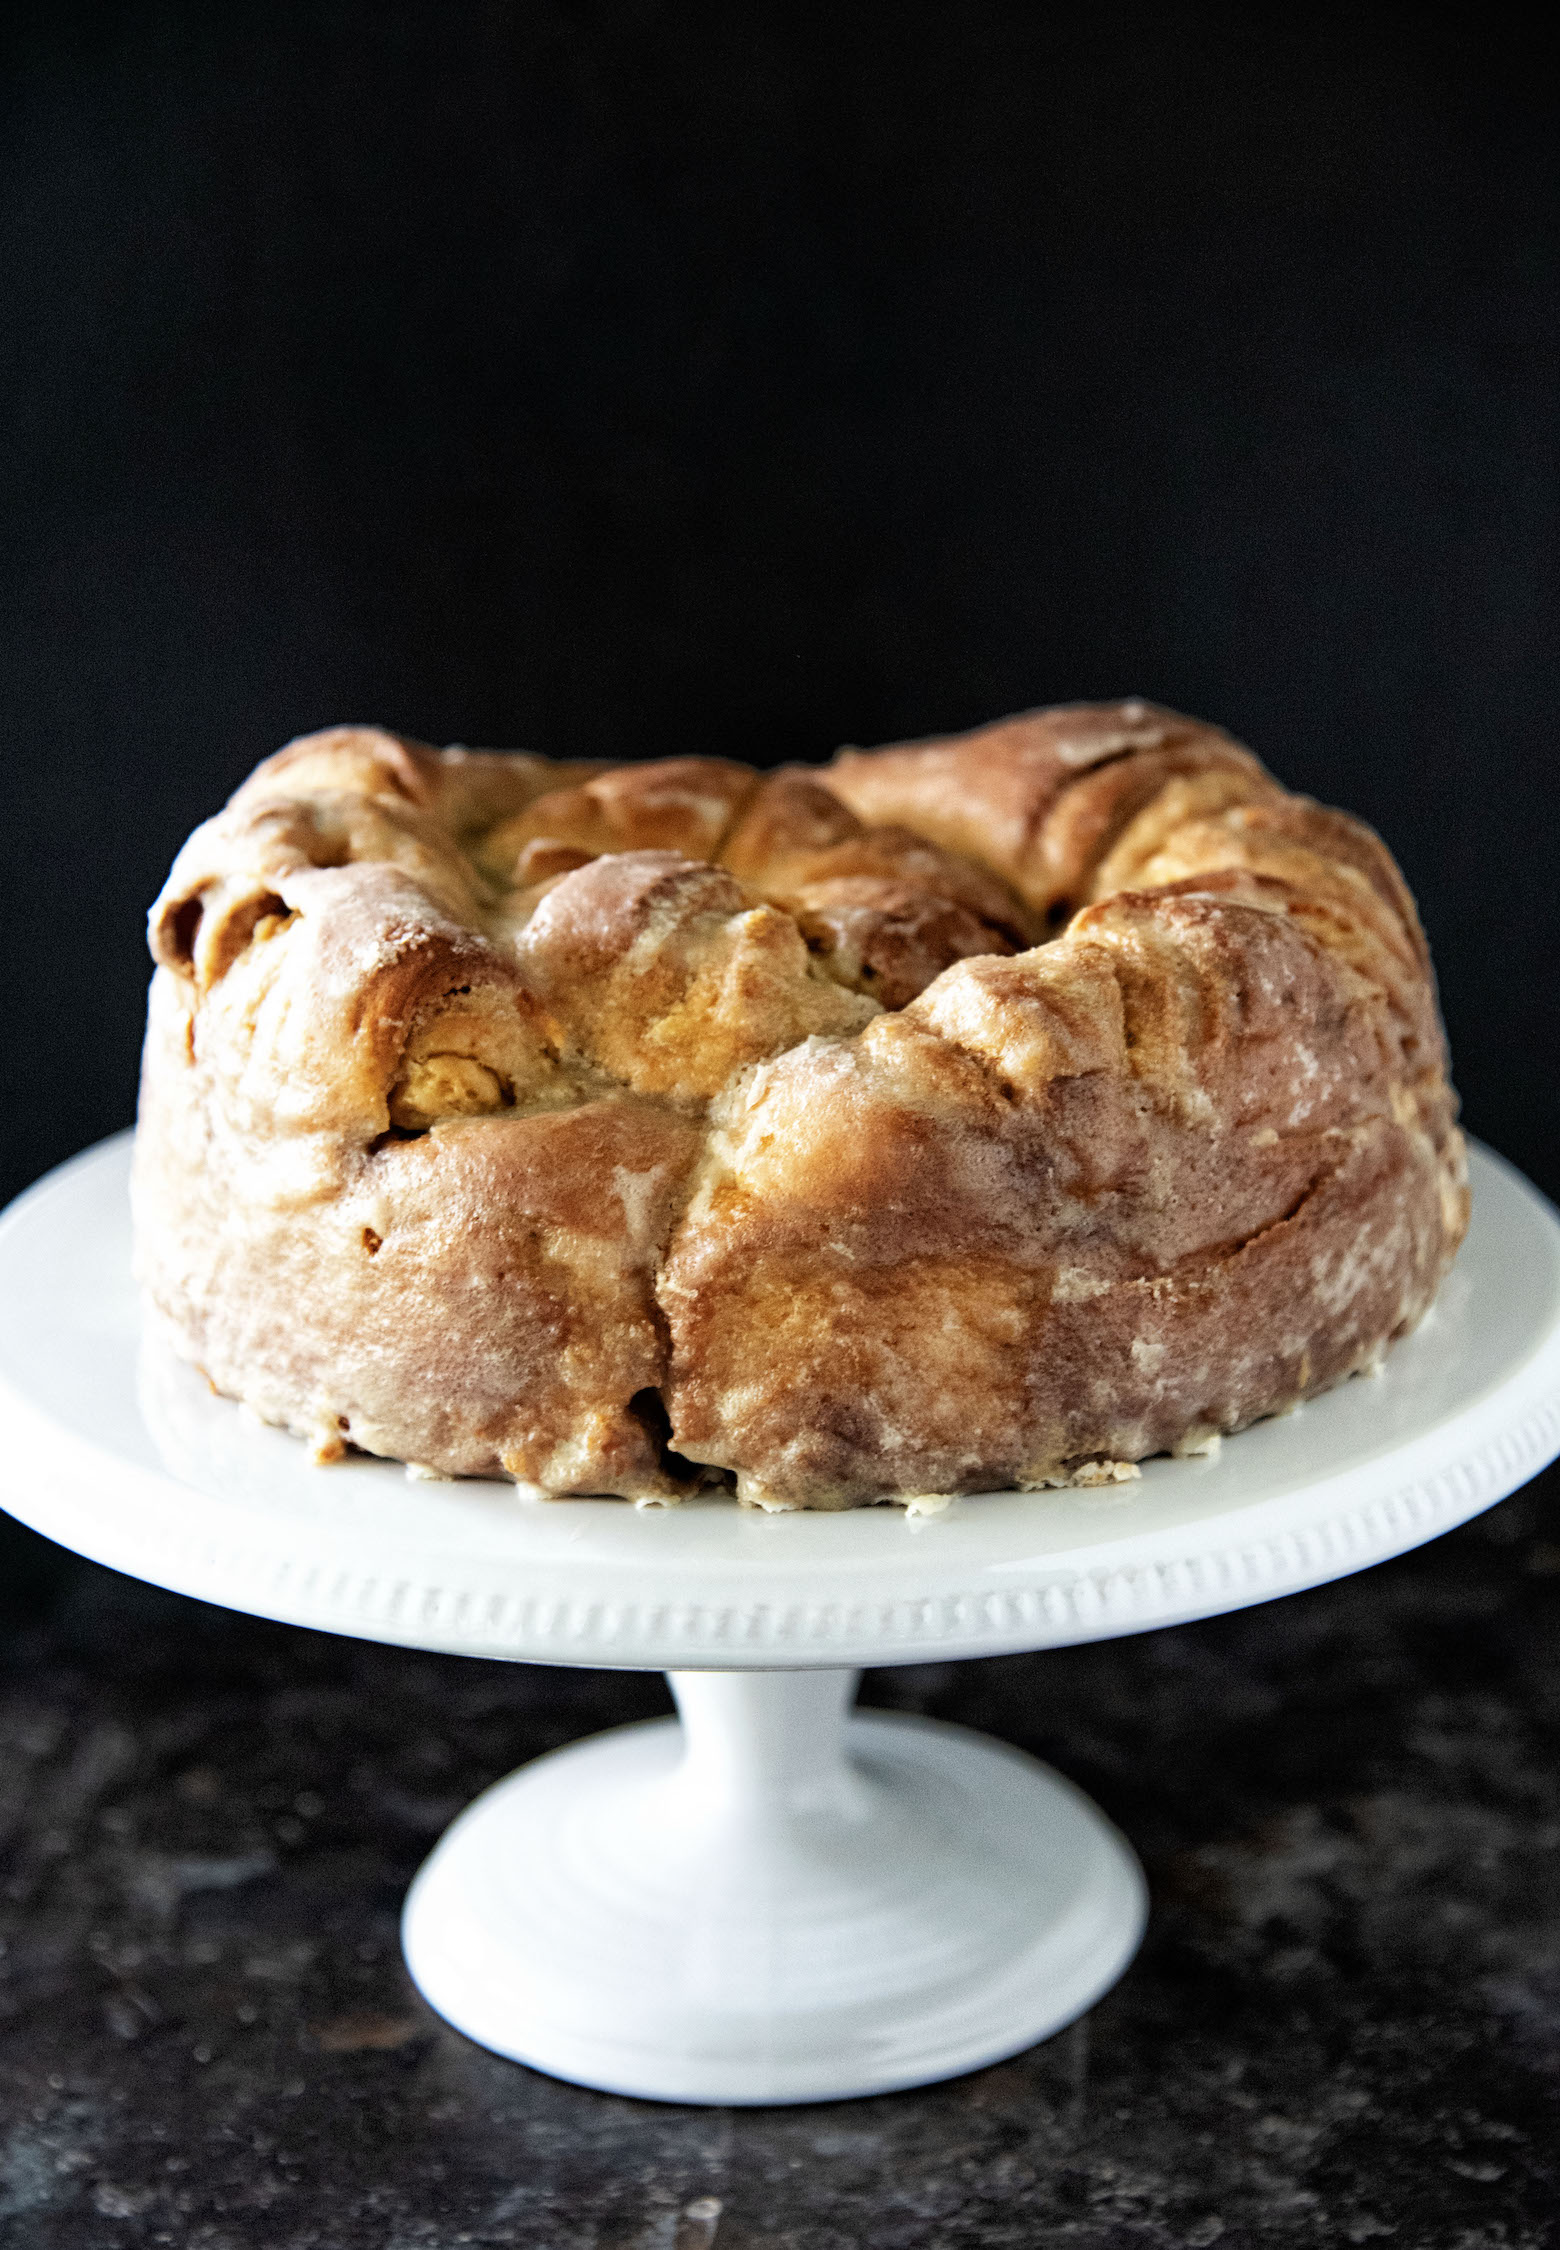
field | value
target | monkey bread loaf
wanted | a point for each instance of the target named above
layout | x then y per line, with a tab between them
977	1113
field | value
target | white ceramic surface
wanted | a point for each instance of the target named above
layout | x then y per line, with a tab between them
125	1455
759	1908
782	1910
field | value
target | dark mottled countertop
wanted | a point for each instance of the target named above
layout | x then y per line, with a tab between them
1344	2026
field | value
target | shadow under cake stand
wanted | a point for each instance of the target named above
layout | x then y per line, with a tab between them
775	1901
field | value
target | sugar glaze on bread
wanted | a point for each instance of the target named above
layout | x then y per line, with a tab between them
982	1112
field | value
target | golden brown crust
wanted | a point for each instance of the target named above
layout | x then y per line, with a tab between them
888	938
1036	1215
682	805
990	794
669	977
884	910
475	1299
795	832
511	1118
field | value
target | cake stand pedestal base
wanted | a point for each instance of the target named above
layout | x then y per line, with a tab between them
773	1902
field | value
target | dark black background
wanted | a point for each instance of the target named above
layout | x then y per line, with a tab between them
635	378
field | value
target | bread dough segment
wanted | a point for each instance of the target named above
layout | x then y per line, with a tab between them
476	1299
1142	1183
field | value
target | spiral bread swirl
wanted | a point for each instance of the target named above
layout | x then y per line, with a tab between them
983	1112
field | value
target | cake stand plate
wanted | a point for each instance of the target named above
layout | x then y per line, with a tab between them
772	1901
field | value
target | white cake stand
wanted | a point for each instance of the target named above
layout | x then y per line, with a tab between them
771	1903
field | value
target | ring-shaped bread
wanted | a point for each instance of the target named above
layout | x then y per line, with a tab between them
982	1112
